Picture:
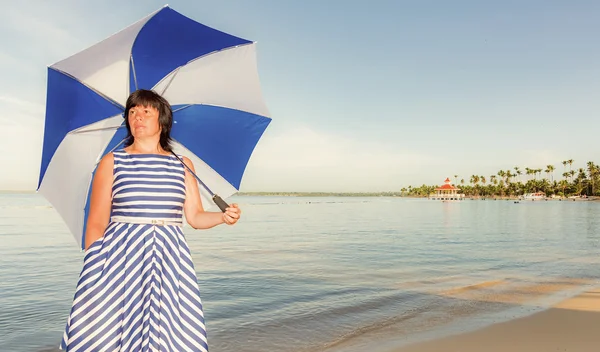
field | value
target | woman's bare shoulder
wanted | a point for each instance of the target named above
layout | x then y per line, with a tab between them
106	162
187	162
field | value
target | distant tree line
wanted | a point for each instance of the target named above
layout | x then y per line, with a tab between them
580	182
322	194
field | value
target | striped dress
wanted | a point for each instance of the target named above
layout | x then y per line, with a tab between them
138	290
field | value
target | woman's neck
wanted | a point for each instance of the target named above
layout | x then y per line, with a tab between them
145	147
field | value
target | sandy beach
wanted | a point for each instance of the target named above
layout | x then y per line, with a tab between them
571	325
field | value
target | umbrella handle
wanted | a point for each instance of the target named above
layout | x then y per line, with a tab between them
220	202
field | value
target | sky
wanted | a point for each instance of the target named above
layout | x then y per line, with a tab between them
365	95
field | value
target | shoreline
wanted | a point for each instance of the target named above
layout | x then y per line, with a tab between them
570	325
358	195
396	195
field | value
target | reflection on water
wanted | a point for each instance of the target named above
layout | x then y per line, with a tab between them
326	274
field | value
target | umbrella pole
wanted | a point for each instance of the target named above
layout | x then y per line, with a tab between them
215	197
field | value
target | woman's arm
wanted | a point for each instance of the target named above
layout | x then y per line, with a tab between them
194	212
100	200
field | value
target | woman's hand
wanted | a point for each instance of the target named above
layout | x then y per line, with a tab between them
232	214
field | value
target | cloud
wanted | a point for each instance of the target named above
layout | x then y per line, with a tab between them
541	158
20	151
21	133
38	32
32	21
29	107
303	159
14	63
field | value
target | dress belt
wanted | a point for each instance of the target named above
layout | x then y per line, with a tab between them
136	220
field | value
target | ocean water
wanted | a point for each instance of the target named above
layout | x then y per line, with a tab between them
327	274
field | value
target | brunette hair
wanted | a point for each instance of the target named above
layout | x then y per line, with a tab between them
144	97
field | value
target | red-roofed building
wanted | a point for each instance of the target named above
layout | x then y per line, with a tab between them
447	192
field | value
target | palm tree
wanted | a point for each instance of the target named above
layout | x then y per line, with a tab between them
475	181
564	183
534	173
482	180
564	166
549	171
518	172
592	174
455	179
570	162
528	171
501	174
595	174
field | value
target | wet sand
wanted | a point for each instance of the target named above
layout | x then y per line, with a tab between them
571	325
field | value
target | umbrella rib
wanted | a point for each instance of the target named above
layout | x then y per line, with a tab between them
97	129
218	51
90	88
176	70
134	75
183	107
110	151
221	106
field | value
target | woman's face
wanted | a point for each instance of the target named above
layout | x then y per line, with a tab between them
143	121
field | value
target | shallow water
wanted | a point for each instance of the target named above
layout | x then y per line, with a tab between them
327	274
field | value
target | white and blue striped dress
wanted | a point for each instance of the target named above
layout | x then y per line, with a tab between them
138	289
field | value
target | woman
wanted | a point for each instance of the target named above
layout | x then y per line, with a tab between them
138	290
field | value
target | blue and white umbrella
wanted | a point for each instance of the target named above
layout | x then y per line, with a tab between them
209	77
